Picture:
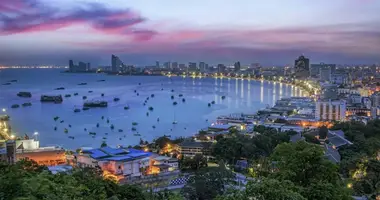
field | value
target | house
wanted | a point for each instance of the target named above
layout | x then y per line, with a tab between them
166	163
120	162
337	139
191	148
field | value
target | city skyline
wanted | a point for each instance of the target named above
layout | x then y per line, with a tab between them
274	32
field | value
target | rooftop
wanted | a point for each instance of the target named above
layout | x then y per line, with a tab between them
195	144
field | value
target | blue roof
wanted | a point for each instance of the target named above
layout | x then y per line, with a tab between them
132	151
96	153
112	151
135	155
119	158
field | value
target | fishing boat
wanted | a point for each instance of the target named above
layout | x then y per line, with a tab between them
27	104
183	100
55	99
152	95
68	95
15	106
175	103
93	104
90	91
150	108
60	88
136	134
76	94
76	110
85	108
223	97
120	130
24	94
71	137
134	123
126	107
82	84
116	99
66	130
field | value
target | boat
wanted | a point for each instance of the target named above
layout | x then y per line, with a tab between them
162	89
97	125
135	91
147	113
102	94
153	127
76	94
66	131
183	100
209	104
27	104
60	88
55	99
150	108
139	83
13	81
101	80
126	107
24	94
68	95
6	83
85	108
212	102
94	104
56	118
92	133
223	97
180	95
172	97
71	137
175	122
120	130
175	103
15	106
84	97
136	134
172	90
112	127
82	84
77	110
133	129
90	91
62	121
116	99
134	123
55	128
137	94
152	95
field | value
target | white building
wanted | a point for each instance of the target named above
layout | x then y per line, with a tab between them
330	110
375	98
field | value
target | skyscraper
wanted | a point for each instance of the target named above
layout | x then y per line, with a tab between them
301	67
202	66
237	66
192	66
71	66
174	65
325	74
157	64
116	63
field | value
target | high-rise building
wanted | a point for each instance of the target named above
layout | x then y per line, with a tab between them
82	67
157	64
221	68
88	66
237	66
71	66
192	66
325	74
375	99
315	68
174	65
117	64
202	66
167	65
330	110
301	67
329	91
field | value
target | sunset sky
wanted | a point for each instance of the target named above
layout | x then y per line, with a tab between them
215	31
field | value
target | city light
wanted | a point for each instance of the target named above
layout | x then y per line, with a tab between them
4	110
12	137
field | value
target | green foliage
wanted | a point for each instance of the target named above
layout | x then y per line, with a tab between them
304	165
28	181
194	163
231	149
208	183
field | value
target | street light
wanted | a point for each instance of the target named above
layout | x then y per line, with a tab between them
35	135
12	137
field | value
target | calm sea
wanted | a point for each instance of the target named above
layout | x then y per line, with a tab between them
192	115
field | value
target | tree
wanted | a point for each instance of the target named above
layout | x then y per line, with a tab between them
104	144
208	183
304	164
323	132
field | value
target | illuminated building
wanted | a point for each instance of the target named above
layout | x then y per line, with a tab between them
191	148
330	110
301	67
30	149
375	99
329	91
325	74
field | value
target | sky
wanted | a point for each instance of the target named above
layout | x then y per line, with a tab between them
270	32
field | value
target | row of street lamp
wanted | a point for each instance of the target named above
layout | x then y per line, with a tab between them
13	136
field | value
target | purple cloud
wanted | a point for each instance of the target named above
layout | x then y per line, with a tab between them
22	16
